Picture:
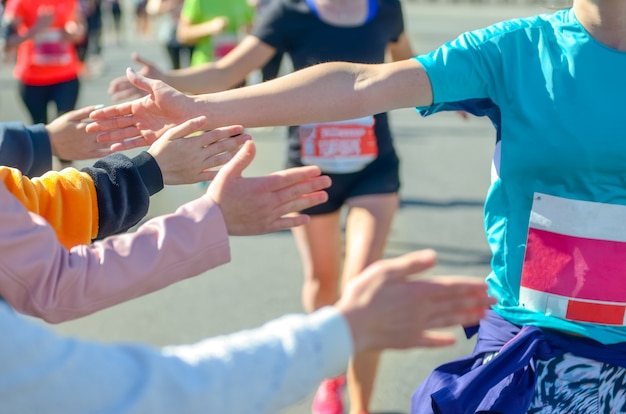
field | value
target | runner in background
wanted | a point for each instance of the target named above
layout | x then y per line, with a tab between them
553	85
213	26
113	10
358	154
90	48
166	14
142	20
47	68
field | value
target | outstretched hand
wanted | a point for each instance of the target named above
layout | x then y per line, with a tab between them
386	309
264	204
146	119
70	141
185	159
121	88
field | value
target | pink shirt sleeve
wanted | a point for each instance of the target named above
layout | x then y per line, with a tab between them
39	277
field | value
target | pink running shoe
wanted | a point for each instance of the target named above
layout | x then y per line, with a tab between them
328	398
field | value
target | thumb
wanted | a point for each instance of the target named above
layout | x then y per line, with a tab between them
140	81
235	167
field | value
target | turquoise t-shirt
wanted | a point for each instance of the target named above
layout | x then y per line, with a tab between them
553	214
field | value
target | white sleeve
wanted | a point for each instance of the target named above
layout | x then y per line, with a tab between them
255	371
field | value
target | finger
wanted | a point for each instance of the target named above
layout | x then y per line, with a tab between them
221	133
186	128
288	222
81	114
117	135
242	159
221	152
127	144
443	287
140	81
286	178
303	202
228	138
108	113
402	267
214	161
432	339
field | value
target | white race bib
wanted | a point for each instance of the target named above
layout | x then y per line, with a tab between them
51	49
574	266
223	44
339	147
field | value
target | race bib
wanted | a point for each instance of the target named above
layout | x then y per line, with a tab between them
223	44
339	147
574	261
51	49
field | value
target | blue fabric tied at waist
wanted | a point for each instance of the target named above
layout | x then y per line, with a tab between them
505	384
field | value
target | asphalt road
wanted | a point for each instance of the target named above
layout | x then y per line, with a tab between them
445	174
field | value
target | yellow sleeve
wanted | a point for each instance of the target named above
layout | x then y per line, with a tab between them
66	199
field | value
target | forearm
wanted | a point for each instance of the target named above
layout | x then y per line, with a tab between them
123	186
106	199
25	148
41	278
272	366
228	72
206	78
327	92
192	33
65	199
14	39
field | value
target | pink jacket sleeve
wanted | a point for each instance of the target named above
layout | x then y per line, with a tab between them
39	277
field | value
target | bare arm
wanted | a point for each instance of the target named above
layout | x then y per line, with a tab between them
327	92
250	54
189	33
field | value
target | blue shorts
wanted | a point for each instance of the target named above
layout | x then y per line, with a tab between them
382	176
572	384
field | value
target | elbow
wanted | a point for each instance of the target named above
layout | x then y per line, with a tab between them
47	314
50	310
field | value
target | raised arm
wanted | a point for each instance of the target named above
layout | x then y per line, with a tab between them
325	92
113	194
41	278
274	366
250	54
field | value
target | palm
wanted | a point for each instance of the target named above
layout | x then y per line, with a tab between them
159	111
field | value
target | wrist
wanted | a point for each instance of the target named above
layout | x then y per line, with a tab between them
200	105
51	136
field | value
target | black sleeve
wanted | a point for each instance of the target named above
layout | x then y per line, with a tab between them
271	23
25	148
123	187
